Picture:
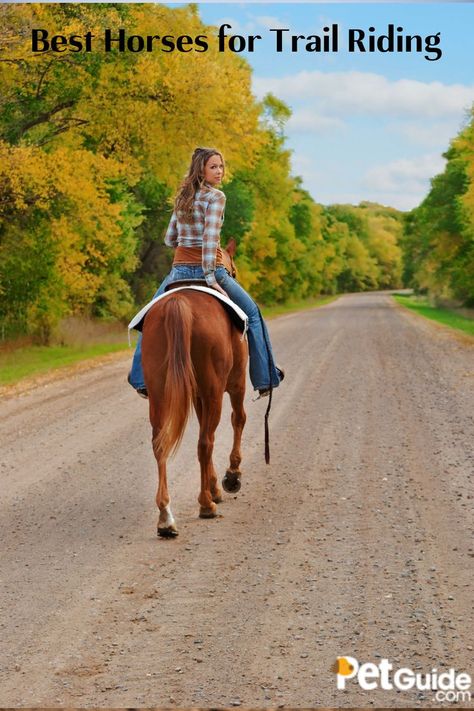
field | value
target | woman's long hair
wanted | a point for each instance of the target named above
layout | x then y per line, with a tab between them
193	181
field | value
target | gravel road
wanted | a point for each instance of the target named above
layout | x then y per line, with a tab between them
355	540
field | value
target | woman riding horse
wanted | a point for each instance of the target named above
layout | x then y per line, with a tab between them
194	233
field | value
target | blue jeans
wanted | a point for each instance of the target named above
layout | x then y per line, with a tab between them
261	362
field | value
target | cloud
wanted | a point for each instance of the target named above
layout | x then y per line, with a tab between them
269	22
308	120
409	176
238	28
355	120
369	94
305	165
402	183
253	24
426	134
401	201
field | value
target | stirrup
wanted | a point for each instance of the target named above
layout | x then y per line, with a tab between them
262	394
143	392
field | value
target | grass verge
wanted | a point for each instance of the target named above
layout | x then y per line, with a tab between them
294	306
421	306
36	360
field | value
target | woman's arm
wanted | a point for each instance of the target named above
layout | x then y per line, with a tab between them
210	238
171	236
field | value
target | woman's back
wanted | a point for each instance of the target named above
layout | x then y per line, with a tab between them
206	217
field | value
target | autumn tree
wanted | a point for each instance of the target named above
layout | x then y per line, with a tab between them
438	240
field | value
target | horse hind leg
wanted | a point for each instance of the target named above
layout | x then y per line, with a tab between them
209	414
216	491
166	524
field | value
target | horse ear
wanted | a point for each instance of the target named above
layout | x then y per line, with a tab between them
231	247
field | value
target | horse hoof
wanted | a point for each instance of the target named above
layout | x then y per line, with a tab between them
231	483
167	531
207	512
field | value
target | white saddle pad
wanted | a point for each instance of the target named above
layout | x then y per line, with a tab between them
137	320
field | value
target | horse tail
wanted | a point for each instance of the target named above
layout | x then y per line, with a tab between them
180	383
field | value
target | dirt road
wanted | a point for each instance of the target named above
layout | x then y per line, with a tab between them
356	540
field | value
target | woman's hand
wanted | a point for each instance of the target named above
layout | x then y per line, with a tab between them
218	287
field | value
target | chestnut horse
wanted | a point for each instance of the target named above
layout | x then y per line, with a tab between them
191	354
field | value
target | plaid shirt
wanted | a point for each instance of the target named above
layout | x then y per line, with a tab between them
203	230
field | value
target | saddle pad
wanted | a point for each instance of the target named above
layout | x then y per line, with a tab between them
239	317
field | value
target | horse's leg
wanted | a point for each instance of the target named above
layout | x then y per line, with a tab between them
238	419
216	491
210	417
231	481
166	523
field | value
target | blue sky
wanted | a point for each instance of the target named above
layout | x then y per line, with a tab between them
364	126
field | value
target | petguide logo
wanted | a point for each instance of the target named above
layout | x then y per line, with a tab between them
448	685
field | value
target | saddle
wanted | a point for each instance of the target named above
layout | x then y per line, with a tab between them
185	282
237	316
